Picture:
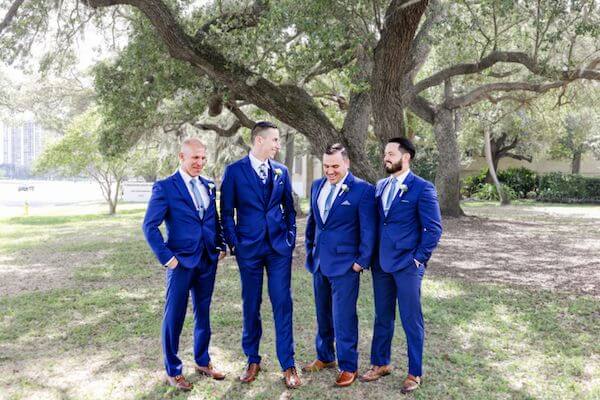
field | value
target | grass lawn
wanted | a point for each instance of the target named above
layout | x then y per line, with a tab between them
511	303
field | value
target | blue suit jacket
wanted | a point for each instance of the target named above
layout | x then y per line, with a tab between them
412	228
255	217
349	232
188	235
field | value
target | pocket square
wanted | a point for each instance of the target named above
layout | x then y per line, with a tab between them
405	201
346	203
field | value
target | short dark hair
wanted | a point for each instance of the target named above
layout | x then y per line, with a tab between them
259	127
405	144
337	148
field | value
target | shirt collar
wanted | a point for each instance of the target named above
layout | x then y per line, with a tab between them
256	162
400	178
186	177
341	181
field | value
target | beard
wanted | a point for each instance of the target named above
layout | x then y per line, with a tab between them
395	167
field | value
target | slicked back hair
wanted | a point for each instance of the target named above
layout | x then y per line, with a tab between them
259	127
337	148
406	145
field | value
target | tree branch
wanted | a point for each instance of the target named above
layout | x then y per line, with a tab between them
10	14
508	57
225	132
482	92
237	20
421	45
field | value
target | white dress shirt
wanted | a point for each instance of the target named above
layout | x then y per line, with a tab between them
325	192
400	178
201	188
256	163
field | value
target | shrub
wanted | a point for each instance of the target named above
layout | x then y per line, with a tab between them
568	188
521	180
489	192
473	183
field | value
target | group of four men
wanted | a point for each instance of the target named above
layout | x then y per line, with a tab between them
392	228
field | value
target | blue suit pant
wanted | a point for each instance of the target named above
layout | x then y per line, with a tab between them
278	268
335	300
404	287
200	281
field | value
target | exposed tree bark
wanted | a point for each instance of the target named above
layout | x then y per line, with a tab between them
447	178
393	66
10	14
504	199
576	162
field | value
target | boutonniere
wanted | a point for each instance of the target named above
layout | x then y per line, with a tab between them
278	172
211	186
403	188
344	188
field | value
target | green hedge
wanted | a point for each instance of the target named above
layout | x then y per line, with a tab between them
520	182
568	188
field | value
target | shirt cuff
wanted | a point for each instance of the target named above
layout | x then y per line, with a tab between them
169	262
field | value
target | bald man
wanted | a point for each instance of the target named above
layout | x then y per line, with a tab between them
185	202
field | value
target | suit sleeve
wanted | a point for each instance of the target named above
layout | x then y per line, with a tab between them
155	215
309	234
227	208
431	223
289	210
367	218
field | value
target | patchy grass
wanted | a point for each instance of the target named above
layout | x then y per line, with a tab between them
82	300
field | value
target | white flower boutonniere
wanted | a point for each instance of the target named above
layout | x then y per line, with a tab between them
211	187
403	188
278	172
344	188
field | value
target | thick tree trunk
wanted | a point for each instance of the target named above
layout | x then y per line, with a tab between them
495	160
576	162
391	71
447	179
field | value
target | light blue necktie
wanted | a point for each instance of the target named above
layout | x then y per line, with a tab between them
391	195
328	202
198	198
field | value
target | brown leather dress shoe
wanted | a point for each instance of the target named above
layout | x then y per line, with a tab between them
346	378
375	372
250	373
179	382
209	370
410	384
317	365
290	376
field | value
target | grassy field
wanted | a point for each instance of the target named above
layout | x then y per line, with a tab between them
511	304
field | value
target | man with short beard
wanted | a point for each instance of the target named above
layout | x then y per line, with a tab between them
409	230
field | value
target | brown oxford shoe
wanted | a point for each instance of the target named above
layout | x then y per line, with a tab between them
410	384
250	373
291	378
179	382
317	365
375	372
345	378
209	370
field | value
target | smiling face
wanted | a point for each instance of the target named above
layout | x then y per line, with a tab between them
192	157
335	167
266	144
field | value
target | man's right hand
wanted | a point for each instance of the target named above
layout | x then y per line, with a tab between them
172	264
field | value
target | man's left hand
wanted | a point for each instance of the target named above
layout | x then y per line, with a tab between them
356	267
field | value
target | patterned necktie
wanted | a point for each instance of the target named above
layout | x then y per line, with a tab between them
390	197
328	202
262	172
198	198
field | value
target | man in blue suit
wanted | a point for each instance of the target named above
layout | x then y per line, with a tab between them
409	230
340	240
262	236
185	202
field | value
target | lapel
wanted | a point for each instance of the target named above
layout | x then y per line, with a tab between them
211	195
341	195
184	192
407	181
379	194
315	203
276	182
250	175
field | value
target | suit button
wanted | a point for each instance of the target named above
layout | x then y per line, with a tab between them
385	223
